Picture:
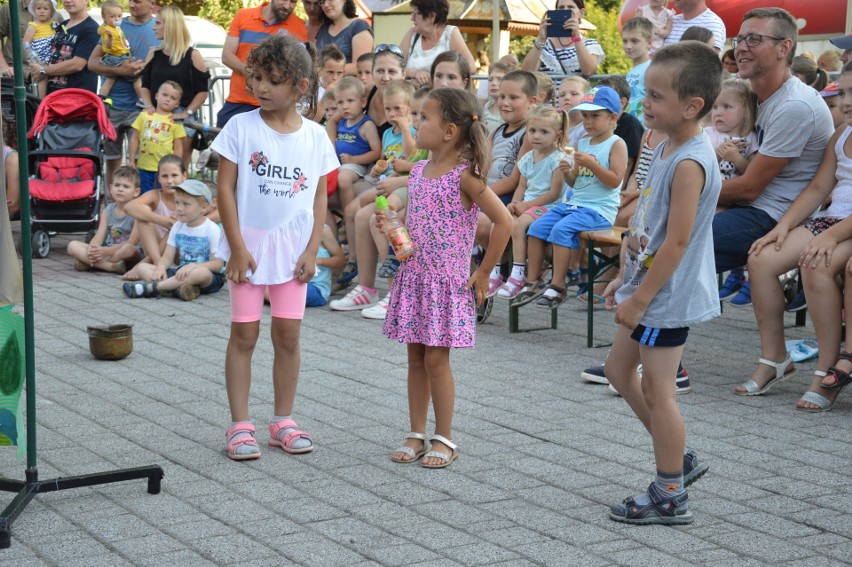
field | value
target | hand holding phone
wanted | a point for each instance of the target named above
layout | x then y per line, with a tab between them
556	23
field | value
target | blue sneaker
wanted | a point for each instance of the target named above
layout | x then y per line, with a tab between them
799	302
743	298
349	273
733	283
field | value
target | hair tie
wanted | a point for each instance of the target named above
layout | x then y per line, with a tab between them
474	118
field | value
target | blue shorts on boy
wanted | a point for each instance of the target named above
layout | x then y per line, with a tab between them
593	205
691	294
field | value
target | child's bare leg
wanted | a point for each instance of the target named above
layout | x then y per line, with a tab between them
367	252
149	236
561	259
419	395
535	257
659	368
380	240
127	252
620	370
202	277
146	271
519	237
443	390
137	87
79	250
238	367
346	179
349	213
286	363
107	86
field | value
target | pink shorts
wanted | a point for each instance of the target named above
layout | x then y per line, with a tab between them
287	300
536	212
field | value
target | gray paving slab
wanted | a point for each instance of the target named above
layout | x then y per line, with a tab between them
542	454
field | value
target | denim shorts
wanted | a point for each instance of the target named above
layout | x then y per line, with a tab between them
563	224
114	60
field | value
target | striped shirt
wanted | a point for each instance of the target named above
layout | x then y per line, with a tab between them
706	19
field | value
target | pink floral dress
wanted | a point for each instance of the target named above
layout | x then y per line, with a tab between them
428	303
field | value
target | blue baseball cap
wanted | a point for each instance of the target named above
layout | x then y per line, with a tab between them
601	98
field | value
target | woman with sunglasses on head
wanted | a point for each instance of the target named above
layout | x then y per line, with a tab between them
429	37
342	28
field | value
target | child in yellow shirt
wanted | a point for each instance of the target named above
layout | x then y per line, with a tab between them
156	134
115	45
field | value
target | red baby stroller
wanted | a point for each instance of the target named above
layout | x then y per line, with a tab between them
66	168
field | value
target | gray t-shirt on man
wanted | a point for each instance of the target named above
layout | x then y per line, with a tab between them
691	294
792	123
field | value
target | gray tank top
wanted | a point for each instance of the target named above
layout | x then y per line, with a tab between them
504	152
118	230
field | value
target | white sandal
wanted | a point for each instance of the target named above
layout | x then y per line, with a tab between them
752	388
439	455
409	452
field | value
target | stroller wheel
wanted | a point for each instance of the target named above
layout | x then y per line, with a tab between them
41	244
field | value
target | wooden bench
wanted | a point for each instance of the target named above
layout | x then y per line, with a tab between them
595	241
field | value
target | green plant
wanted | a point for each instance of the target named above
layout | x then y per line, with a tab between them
607	34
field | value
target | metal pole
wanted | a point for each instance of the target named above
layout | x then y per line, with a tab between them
20	96
495	30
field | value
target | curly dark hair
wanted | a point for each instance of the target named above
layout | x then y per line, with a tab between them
441	9
287	60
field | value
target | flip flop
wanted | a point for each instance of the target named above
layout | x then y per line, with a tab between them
596	299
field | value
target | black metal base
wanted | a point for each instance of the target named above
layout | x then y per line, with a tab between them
28	488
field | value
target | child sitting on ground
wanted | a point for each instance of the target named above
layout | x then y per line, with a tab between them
329	257
156	134
541	186
115	245
192	241
600	163
115	45
355	136
155	211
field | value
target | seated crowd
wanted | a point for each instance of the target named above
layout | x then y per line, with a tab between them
566	156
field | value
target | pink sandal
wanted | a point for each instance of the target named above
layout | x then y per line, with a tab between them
293	435
242	435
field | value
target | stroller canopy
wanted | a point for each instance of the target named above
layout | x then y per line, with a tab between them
72	105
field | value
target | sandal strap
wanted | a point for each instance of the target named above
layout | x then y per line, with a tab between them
751	386
437	455
445	441
240	428
275	428
293	435
415	435
779	367
816	399
408	451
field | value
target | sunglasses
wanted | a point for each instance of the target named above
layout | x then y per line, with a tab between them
383	47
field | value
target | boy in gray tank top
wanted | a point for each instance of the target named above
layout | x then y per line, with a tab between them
668	276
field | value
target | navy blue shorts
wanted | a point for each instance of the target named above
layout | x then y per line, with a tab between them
649	336
214	286
148	180
314	297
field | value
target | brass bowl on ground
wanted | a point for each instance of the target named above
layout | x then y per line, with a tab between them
110	342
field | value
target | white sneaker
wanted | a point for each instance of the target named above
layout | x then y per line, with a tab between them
355	300
379	311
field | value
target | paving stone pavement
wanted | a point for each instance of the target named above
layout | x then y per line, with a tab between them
542	453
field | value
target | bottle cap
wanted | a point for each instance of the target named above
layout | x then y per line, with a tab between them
381	203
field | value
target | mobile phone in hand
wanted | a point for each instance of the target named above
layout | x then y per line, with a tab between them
557	22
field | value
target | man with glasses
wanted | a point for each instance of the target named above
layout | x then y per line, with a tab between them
249	27
696	13
793	128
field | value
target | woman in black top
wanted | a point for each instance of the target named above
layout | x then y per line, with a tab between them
174	60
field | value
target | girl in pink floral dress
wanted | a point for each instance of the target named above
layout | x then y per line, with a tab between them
432	307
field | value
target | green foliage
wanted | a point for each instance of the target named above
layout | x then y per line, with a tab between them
222	11
607	34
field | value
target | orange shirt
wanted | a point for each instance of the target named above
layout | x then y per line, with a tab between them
250	28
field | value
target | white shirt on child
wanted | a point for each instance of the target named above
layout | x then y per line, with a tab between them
276	184
195	244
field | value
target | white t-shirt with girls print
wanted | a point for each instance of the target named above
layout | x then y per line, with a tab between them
276	184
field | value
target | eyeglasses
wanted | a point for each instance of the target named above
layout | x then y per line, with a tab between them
324	2
383	47
753	39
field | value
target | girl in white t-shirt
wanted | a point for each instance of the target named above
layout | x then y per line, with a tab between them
272	201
